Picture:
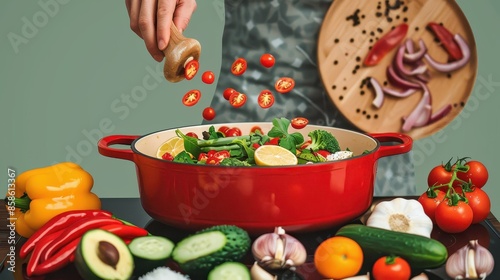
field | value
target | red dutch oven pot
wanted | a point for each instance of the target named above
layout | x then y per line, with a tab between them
299	198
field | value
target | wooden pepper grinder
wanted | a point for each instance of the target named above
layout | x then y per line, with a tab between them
179	51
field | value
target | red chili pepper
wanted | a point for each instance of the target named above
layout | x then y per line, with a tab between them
77	230
57	223
41	246
125	231
385	44
447	40
59	260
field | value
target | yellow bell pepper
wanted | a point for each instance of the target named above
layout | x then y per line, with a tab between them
42	193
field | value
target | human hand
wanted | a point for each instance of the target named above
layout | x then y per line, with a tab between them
151	20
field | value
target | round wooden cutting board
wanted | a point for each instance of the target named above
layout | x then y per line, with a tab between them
351	27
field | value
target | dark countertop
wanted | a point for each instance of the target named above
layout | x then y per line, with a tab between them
131	210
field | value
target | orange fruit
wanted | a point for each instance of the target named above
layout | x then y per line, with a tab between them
338	257
273	155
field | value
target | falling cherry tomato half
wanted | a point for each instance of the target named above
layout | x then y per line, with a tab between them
191	97
227	93
208	113
265	99
191	69
284	84
239	66
267	60
237	99
208	77
299	122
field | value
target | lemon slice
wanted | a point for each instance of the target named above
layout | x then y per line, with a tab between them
272	155
172	146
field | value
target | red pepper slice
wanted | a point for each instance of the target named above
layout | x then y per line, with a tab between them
58	260
39	249
57	223
125	231
385	44
447	40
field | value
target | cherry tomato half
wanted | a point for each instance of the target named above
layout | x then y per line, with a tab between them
267	60
208	113
227	93
284	84
299	122
256	128
223	129
265	99
390	267
237	99
208	77
453	218
477	174
191	97
239	66
191	69
192	134
233	131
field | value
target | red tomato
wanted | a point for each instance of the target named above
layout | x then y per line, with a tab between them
299	122
267	60
389	267
255	128
239	66
208	113
323	153
273	141
233	131
208	77
480	203
192	134
284	85
191	97
477	174
385	44
455	218
167	156
227	93
440	175
430	204
223	129
237	99
265	99
191	69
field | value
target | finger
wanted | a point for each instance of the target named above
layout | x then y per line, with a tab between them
147	26
183	13
133	14
164	20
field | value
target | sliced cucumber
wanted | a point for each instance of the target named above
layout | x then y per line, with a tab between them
230	271
150	252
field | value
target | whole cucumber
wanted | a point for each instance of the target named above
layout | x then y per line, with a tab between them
419	251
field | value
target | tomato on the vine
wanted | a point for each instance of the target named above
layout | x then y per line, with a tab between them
237	99
430	201
233	131
454	218
227	93
191	69
265	99
239	66
391	267
191	97
208	113
299	122
208	77
284	84
480	204
477	174
267	60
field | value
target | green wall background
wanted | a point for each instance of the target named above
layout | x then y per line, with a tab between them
73	71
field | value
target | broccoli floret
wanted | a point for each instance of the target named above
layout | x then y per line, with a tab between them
323	140
233	162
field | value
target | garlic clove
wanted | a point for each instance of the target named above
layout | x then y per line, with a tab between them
472	261
258	273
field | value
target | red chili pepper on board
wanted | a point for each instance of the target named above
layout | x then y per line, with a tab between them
385	44
57	223
41	246
59	260
447	40
125	231
76	230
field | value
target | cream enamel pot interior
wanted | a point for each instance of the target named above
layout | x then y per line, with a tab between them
299	198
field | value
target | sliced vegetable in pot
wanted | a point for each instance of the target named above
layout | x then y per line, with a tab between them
299	122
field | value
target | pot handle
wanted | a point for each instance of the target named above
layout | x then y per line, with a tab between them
404	143
104	148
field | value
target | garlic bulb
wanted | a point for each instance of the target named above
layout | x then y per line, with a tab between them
278	250
472	261
399	214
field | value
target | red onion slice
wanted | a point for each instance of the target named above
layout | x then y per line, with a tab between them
452	66
398	81
400	67
421	113
425	77
440	114
379	94
410	55
400	94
